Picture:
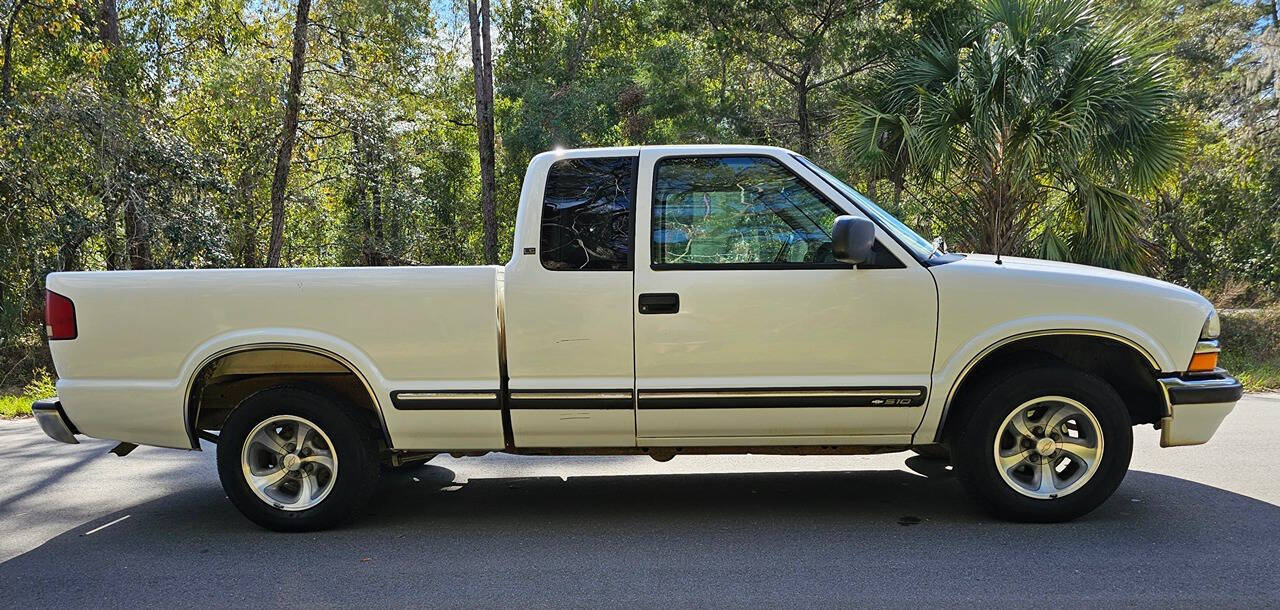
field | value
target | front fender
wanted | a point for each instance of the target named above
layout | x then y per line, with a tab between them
950	369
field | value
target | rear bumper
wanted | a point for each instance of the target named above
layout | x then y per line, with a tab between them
1196	406
53	421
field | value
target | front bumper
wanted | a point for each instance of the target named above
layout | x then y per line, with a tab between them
1196	404
53	421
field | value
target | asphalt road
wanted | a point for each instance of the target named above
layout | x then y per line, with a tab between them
1190	526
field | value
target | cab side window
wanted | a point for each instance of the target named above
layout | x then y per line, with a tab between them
738	211
588	211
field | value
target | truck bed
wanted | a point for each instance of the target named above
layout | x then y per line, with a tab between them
145	334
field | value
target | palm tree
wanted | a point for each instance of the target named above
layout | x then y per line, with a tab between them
1035	127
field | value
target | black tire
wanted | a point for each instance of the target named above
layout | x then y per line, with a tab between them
354	445
974	438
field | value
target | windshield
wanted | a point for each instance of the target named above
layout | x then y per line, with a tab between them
909	239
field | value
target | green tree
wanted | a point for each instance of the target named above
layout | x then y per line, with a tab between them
811	46
1217	220
1038	125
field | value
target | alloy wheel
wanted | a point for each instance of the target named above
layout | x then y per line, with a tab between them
289	463
1048	447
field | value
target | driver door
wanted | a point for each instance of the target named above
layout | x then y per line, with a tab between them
748	332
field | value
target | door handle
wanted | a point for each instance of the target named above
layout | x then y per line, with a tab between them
659	302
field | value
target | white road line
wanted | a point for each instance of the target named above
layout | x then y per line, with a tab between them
102	527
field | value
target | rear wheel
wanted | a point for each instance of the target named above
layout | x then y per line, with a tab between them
1045	444
293	459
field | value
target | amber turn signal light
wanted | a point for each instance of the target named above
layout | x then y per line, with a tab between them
1202	363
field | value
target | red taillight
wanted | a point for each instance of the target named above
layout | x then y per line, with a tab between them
59	316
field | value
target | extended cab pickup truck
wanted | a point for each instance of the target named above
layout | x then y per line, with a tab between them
659	301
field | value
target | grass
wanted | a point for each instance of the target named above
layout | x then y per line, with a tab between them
1257	376
13	406
1251	347
17	403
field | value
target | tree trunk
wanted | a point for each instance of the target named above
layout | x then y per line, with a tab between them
1170	210
356	125
1004	231
378	255
137	234
489	204
802	118
71	238
109	34
112	249
359	162
248	253
1275	70
482	66
290	134
109	23
6	61
249	247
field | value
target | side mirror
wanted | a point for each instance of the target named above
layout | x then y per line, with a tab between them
852	238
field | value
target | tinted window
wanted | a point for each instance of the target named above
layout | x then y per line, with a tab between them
587	214
738	210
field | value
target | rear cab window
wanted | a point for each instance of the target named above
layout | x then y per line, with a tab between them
588	214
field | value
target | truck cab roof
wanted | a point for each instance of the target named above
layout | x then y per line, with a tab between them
674	149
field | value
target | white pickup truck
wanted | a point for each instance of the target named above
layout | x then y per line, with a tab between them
660	301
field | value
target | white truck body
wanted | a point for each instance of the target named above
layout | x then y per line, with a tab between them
530	358
145	335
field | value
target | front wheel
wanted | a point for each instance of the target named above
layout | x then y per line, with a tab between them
1044	445
291	459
